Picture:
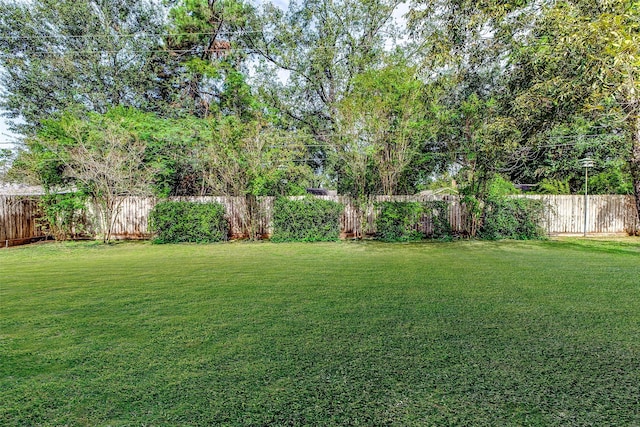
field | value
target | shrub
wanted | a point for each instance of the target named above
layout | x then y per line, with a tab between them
512	218
64	215
306	220
175	222
553	186
397	221
438	211
499	187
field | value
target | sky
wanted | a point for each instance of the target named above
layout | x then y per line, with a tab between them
5	135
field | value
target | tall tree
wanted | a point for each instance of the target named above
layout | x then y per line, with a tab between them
248	159
204	71
380	124
311	54
558	61
463	48
93	53
582	58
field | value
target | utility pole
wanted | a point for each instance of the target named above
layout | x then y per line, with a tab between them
586	163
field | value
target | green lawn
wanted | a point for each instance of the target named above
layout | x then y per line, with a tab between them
463	333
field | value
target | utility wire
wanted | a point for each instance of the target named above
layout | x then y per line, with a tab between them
548	39
126	35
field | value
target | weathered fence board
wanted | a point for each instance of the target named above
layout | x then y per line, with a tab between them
19	219
564	215
605	214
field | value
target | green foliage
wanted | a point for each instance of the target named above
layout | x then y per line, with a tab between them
438	213
250	157
512	218
91	54
6	156
306	220
499	186
64	215
323	46
104	154
381	124
176	222
397	221
553	163
553	186
473	207
207	70
611	181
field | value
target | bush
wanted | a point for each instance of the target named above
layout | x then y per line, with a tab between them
397	221
553	186
306	220
499	187
175	222
512	218
438	211
64	215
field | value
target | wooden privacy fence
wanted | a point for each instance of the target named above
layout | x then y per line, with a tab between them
605	214
563	215
133	219
19	217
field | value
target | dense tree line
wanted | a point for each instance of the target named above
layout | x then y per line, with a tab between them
224	97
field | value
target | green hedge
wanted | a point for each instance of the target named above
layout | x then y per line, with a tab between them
64	215
175	222
398	221
306	220
438	211
512	218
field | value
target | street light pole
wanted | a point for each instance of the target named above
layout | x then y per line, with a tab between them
586	163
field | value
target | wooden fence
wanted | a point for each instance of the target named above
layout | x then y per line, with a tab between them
564	215
133	219
19	217
605	214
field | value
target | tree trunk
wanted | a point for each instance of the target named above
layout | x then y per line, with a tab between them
251	216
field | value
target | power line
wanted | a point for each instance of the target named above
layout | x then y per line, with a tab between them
127	35
196	50
159	35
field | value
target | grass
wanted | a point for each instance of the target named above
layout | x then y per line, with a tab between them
462	333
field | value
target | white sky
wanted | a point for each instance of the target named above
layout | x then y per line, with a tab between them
5	135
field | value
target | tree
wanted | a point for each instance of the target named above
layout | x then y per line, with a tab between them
203	73
558	61
250	159
552	156
379	131
317	47
6	156
582	58
476	142
96	54
463	48
385	116
103	154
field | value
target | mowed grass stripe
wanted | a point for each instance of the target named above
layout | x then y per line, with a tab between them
463	333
